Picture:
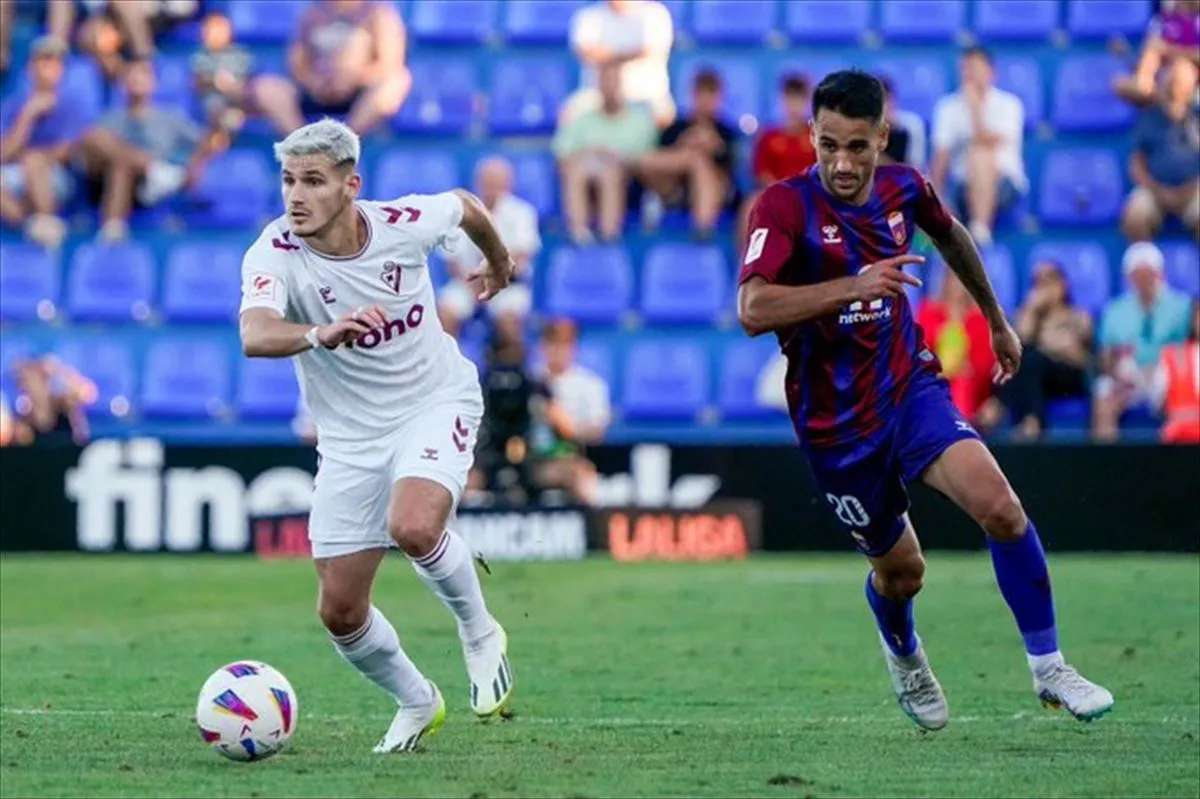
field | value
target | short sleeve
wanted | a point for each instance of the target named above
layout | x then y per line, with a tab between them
775	224
437	220
585	29
1143	133
658	29
943	124
264	279
1108	328
525	233
931	214
8	113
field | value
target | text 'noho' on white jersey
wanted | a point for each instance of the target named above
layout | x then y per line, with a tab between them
362	390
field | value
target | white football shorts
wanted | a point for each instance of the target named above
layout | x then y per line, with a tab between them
351	494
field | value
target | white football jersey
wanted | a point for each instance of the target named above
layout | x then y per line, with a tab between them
362	390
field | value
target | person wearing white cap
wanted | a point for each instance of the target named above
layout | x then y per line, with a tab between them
1133	331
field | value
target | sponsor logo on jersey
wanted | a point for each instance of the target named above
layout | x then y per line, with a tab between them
405	214
391	275
754	250
262	287
896	225
286	243
395	327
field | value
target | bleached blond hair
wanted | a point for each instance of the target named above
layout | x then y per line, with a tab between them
328	137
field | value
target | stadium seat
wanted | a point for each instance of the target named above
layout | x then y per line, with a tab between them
814	68
1081	187
998	261
186	378
1012	20
678	10
827	21
539	21
922	20
1069	414
267	388
237	188
1086	266
202	282
535	179
1182	266
452	21
108	362
741	79
745	22
172	86
265	21
1102	19
30	282
1083	97
525	95
919	82
111	284
685	283
403	171
742	361
1022	76
665	380
596	354
442	100
589	284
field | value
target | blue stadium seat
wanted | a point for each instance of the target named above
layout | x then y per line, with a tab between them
827	21
589	284
536	180
539	21
14	347
109	363
1081	187
237	188
742	361
596	354
265	21
665	380
111	284
922	20
1074	413
733	21
919	82
1083	97
442	99
1182	266
1086	266
30	282
1022	76
452	21
812	67
741	79
1101	19
186	378
172	85
1012	20
526	94
678	10
267	388
202	282
998	261
405	171
685	283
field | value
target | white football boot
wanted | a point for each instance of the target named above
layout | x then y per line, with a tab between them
413	723
917	689
1062	687
489	672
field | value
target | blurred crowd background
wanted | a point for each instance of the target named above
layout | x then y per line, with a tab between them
618	145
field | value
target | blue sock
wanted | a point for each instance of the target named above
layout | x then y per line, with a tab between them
895	619
1025	583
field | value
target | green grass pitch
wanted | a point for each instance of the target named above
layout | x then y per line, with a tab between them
756	678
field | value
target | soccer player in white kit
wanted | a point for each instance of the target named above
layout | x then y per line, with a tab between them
341	285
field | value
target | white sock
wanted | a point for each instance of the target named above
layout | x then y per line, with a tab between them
1044	664
449	571
374	649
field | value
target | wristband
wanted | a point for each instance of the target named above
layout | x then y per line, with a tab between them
311	337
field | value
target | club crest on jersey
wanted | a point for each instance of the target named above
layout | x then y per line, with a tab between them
831	234
326	293
391	275
896	225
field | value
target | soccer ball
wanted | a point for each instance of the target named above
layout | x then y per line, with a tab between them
247	710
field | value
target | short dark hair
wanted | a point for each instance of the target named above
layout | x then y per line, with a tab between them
851	93
977	50
794	84
707	80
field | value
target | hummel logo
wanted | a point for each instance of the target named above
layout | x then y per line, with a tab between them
394	214
459	436
430	454
964	426
286	244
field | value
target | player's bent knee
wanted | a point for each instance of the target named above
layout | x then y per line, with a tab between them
1003	518
414	535
903	580
341	617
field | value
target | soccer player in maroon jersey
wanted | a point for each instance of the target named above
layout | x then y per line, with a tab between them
824	270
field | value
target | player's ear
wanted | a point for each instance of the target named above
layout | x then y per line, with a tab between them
885	130
354	185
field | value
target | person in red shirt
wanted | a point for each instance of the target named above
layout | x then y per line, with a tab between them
1176	390
782	151
958	334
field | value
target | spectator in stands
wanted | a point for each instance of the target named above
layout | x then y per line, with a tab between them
596	152
1134	329
517	223
959	334
635	35
142	150
38	129
781	151
693	165
114	31
906	132
221	71
1165	163
53	400
1057	337
6	25
1175	389
577	415
348	60
1174	34
978	136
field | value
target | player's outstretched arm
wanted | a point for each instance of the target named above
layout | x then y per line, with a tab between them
266	334
477	224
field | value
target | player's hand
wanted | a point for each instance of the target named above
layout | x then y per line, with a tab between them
886	279
1007	346
492	278
351	326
